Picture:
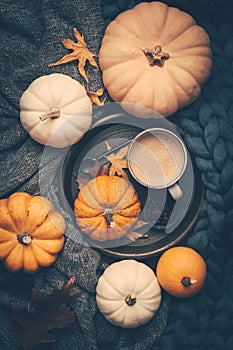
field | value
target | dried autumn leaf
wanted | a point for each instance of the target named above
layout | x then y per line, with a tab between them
81	181
104	170
80	53
133	235
48	313
95	97
117	168
118	163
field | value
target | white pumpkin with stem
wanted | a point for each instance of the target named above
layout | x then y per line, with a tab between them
154	56
128	293
55	110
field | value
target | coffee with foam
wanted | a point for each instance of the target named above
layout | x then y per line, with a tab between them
156	158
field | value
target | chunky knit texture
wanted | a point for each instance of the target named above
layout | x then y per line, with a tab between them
205	322
30	33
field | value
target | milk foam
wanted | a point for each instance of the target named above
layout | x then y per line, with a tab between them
157	159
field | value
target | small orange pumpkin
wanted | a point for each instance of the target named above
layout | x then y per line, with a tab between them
31	232
181	271
107	207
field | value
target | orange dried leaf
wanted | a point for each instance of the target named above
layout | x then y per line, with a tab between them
117	167
133	235
118	163
95	97
80	53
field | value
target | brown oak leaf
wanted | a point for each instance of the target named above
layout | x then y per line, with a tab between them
80	52
48	312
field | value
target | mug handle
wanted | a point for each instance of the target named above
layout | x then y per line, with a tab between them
175	191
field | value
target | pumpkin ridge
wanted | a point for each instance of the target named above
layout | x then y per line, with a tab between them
95	195
145	29
170	271
6	235
178	37
199	40
48	246
197	46
27	199
186	71
114	313
177	82
56	100
6	248
29	265
170	87
148	286
14	260
131	86
74	101
4	211
121	23
108	40
110	285
118	63
147	5
35	95
43	258
46	217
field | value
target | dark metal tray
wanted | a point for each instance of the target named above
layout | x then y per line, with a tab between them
168	222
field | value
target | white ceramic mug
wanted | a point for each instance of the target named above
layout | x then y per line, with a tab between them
157	159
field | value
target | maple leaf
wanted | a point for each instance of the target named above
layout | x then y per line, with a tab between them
95	97
118	163
48	313
80	53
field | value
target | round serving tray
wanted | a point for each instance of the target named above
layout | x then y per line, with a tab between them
167	222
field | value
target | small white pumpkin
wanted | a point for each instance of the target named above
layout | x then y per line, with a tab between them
128	293
55	110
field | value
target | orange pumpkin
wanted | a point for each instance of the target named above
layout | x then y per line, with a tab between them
154	56
31	232
181	271
107	207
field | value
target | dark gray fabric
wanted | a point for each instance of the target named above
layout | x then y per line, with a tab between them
30	33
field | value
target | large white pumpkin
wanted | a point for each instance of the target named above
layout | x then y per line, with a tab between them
128	293
154	56
56	110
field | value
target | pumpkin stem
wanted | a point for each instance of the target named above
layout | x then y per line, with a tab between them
156	56
130	300
108	213
186	281
24	238
53	113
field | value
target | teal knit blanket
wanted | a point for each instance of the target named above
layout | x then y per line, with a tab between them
206	321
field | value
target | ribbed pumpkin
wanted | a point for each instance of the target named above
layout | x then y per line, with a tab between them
107	207
128	293
154	56
31	232
181	271
55	110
